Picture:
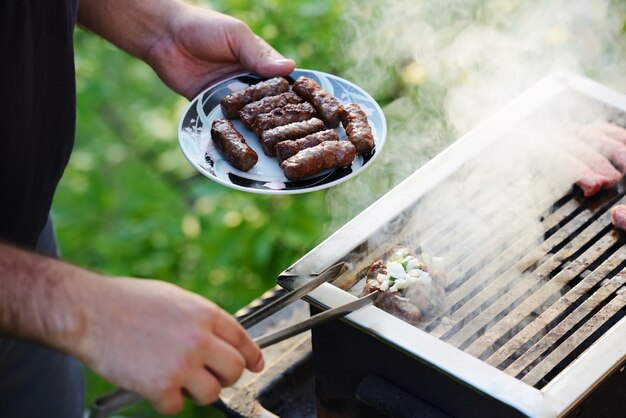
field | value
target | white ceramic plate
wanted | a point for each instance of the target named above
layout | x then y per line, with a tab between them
266	176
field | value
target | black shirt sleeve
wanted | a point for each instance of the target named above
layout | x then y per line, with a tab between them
37	111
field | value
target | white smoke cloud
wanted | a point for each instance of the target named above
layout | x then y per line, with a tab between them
445	66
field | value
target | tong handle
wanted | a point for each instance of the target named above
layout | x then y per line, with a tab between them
319	319
113	402
329	274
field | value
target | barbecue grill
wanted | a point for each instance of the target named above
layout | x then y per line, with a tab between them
532	327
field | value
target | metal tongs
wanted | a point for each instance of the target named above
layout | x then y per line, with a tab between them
109	404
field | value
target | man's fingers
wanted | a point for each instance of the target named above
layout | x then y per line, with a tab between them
228	329
270	62
202	387
225	362
168	404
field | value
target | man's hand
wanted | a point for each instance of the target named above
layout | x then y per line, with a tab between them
202	46
163	342
147	336
189	47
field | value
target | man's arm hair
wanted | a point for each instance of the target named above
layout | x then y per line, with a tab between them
132	25
145	335
43	299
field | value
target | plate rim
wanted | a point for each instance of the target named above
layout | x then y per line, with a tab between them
203	171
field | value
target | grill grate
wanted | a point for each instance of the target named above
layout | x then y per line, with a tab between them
526	308
553	337
535	295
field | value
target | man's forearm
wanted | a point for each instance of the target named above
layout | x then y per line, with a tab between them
148	336
42	299
132	25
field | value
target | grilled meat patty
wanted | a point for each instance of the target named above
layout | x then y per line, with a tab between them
398	306
407	288
326	105
391	302
310	161
235	101
234	147
354	121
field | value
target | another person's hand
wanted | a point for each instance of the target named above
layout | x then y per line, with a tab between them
201	46
163	342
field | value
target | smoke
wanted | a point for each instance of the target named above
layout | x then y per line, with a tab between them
440	68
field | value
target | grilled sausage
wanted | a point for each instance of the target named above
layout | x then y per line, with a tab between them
313	160
591	182
355	123
283	116
287	149
250	111
232	103
228	140
326	105
295	130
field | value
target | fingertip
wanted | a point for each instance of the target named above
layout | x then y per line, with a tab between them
287	65
260	365
170	405
279	66
260	57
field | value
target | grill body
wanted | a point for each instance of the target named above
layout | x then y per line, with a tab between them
534	328
344	357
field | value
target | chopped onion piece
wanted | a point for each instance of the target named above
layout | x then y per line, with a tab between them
427	259
414	272
402	252
412	280
384	285
413	263
402	283
394	288
439	271
382	277
426	279
396	270
402	299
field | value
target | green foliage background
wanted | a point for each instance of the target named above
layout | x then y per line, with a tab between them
129	203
